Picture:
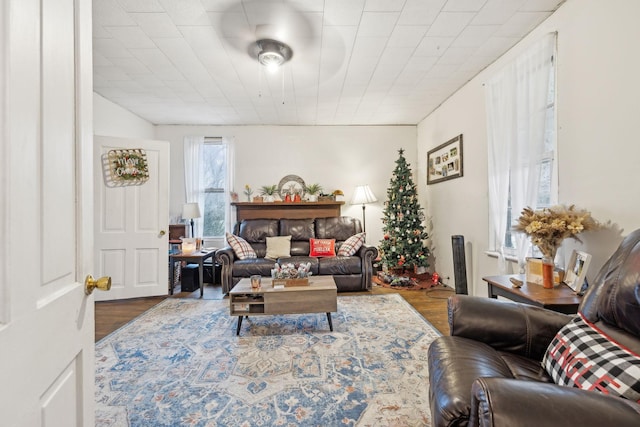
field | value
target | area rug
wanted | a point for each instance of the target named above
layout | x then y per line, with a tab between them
181	364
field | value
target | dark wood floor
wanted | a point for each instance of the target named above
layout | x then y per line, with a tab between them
110	315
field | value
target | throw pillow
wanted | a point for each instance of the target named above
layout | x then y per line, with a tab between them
582	356
322	247
351	245
241	247
277	247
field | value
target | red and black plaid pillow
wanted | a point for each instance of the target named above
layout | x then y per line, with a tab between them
582	356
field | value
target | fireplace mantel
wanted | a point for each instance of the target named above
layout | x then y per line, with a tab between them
276	210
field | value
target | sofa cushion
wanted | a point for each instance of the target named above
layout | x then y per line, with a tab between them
242	249
339	228
582	356
298	229
339	265
249	267
523	368
322	247
351	245
279	246
257	230
300	248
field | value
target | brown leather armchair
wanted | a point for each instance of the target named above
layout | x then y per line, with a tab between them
489	371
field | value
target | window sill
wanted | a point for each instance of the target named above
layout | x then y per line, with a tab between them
494	254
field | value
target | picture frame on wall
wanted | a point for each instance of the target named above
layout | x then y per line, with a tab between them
445	161
577	270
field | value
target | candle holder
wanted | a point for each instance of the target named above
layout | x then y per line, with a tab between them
255	281
188	246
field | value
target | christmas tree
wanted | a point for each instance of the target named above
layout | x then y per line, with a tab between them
404	231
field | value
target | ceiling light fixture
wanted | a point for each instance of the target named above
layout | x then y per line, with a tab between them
272	53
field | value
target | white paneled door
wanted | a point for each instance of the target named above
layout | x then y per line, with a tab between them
46	214
132	222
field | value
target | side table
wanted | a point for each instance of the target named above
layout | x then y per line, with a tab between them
561	298
193	258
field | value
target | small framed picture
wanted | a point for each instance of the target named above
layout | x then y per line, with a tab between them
577	270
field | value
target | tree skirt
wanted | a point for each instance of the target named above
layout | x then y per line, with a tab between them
407	281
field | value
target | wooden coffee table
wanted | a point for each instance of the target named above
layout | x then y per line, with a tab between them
321	296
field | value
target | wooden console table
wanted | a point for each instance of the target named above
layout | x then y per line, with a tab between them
294	210
561	298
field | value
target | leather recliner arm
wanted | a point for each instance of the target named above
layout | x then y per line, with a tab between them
502	402
505	325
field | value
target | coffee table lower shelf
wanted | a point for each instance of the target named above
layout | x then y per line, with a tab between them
320	296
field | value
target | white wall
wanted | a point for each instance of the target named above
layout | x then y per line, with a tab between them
110	119
336	157
598	95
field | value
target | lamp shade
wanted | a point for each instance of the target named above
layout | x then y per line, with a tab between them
362	195
190	210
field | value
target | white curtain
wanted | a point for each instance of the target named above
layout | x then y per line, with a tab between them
229	184
516	109
532	74
501	131
194	177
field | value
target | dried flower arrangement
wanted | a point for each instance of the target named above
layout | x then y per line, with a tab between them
548	227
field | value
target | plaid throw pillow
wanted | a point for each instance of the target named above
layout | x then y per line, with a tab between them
351	245
581	356
240	246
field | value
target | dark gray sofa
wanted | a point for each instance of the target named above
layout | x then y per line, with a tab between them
350	273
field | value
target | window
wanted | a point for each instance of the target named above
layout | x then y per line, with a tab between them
521	135
214	170
547	168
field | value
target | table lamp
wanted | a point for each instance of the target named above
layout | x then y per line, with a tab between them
363	195
191	210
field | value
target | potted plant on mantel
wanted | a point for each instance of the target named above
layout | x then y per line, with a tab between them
269	192
312	191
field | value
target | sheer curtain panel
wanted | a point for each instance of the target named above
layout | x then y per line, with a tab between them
516	100
193	176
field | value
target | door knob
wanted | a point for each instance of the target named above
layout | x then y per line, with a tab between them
162	232
103	283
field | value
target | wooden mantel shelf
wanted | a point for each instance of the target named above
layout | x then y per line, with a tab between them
276	210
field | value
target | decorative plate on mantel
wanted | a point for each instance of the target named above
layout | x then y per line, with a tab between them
290	184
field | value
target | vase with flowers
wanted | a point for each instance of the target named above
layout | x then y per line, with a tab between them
548	227
248	192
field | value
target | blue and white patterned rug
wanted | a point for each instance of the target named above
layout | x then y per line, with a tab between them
181	364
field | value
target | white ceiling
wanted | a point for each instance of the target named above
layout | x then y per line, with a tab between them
355	62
